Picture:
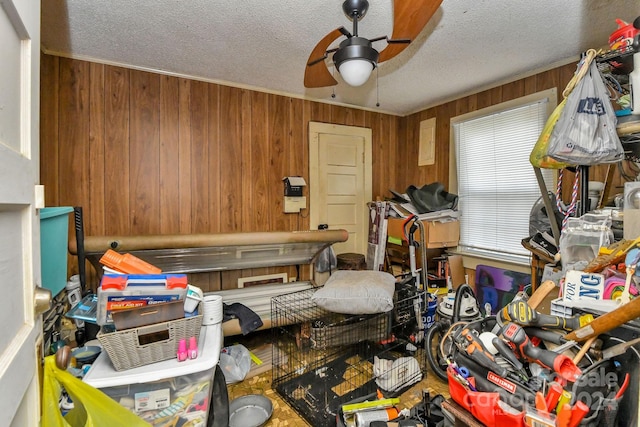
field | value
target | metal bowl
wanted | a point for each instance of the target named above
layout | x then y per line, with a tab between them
86	355
252	410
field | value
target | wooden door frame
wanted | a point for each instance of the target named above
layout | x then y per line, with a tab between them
20	197
315	129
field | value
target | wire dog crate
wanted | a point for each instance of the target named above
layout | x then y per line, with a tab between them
322	360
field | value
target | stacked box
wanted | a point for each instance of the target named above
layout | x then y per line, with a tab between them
127	291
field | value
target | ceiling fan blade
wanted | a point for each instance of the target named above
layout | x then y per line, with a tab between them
409	18
317	74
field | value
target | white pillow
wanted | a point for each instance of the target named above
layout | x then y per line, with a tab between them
357	292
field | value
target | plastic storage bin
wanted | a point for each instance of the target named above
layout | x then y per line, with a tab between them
126	291
54	238
164	391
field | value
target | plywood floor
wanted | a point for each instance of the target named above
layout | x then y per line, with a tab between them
258	381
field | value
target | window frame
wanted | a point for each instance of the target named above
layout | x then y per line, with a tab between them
551	95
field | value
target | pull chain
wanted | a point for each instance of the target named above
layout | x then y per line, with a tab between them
333	88
377	90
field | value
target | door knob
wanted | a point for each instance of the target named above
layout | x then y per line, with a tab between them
42	300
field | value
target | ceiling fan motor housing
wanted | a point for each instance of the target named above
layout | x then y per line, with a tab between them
355	58
355	9
355	48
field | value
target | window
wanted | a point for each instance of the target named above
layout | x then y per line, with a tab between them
496	183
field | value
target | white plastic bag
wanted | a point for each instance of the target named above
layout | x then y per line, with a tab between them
235	362
327	260
582	239
585	133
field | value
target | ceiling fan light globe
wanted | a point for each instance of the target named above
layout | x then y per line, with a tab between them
355	60
356	72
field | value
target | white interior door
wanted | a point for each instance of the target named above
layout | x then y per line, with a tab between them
21	331
340	181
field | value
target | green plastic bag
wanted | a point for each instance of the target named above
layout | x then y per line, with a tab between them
539	157
92	408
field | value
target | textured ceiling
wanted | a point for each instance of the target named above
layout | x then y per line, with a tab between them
468	45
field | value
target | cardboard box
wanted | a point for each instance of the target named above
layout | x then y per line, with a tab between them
439	234
456	268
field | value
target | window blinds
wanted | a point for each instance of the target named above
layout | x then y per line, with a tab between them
496	183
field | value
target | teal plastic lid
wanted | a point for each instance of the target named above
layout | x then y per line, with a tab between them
51	212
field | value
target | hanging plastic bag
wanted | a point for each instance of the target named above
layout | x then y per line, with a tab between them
327	260
585	133
539	157
92	408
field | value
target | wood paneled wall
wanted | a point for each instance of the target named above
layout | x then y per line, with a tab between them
146	153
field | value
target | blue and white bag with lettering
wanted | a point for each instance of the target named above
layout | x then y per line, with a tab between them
585	133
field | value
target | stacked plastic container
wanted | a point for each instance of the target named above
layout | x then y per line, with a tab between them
146	367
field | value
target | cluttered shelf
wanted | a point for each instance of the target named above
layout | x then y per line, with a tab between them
409	233
592	327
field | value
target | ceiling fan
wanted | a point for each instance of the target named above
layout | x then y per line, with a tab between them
355	58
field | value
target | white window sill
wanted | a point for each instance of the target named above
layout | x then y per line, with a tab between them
471	260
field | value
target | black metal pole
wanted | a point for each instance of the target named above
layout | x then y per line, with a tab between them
584	190
79	224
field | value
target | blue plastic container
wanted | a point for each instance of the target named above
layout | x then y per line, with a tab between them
429	316
54	239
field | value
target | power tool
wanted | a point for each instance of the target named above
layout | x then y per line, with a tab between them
557	362
521	313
